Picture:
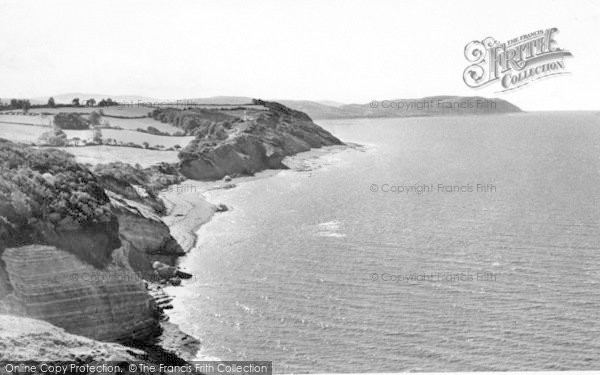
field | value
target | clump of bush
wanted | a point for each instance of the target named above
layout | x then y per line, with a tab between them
121	177
47	198
54	138
198	122
152	130
94	118
71	121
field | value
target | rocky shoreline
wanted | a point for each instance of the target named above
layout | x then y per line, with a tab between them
89	250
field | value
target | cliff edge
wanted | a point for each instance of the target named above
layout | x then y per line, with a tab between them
62	257
243	140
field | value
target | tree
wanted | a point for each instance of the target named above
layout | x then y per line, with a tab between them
51	103
70	120
145	144
75	102
153	130
20	104
26	105
97	135
90	102
94	118
56	138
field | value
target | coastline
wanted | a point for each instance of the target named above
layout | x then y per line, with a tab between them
188	209
88	210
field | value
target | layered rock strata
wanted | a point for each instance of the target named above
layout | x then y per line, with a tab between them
110	304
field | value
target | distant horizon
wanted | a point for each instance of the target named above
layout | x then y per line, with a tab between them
82	96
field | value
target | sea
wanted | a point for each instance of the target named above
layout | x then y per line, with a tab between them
460	243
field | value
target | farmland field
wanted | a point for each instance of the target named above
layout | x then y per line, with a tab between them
108	154
81	134
30	134
126	136
143	123
133	111
127	111
21	133
63	109
26	119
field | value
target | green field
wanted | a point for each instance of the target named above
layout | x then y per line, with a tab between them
63	109
21	133
127	111
127	136
108	154
28	128
26	119
142	123
30	134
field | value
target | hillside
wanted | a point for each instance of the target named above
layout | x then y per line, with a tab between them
324	109
428	106
243	140
61	221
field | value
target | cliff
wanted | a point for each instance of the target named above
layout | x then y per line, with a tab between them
109	304
47	198
62	258
149	237
138	184
245	140
75	242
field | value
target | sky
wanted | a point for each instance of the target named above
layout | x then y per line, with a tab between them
348	51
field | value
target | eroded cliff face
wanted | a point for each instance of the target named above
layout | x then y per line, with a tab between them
73	244
255	140
65	256
148	236
109	304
